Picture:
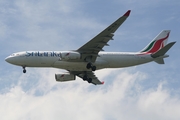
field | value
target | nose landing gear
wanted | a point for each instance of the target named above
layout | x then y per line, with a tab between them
24	70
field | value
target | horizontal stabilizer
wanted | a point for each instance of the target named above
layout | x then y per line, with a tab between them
162	51
159	61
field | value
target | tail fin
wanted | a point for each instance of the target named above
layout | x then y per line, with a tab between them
158	47
159	55
157	43
162	51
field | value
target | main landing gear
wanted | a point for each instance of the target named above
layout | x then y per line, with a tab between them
89	65
24	70
89	80
93	68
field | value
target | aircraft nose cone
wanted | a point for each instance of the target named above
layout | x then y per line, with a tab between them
8	59
15	60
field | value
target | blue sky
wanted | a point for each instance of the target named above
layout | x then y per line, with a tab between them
149	91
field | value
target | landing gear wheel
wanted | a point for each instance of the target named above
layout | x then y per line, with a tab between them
93	68
89	80
85	77
24	70
88	66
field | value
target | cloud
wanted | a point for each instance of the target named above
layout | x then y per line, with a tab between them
123	98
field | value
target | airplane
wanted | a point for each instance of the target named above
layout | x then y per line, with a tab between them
90	57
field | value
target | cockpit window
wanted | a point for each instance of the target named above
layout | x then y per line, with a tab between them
13	54
18	54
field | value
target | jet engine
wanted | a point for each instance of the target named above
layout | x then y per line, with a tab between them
70	55
64	77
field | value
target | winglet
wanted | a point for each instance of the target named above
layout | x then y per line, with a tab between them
127	13
102	82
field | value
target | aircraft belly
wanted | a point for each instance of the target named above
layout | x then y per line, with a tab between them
122	63
127	60
75	66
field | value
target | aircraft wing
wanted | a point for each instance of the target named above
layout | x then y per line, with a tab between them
90	74
92	48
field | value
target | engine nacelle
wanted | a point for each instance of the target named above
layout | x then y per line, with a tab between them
70	55
64	77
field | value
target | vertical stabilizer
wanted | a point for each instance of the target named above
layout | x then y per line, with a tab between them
157	43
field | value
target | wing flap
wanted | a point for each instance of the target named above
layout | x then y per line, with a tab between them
90	74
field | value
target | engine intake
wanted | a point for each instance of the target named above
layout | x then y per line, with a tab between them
70	55
64	77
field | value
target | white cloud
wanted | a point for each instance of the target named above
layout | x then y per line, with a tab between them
124	98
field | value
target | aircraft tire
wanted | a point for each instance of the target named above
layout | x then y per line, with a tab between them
88	66
93	68
85	77
89	80
24	71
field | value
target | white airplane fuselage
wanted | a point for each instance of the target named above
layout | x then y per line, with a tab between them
53	59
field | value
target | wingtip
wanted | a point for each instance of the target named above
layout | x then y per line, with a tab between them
102	82
127	13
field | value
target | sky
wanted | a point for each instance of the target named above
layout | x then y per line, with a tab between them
149	91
